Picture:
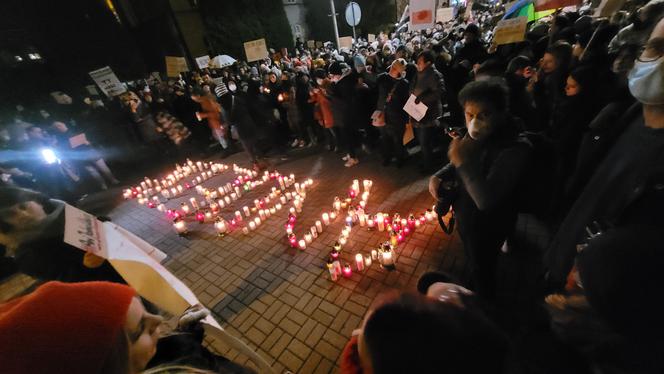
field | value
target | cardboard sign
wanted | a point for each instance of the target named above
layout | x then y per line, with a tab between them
311	44
92	89
203	61
256	50
135	260
319	44
510	31
154	78
422	14
444	14
417	111
78	140
541	5
346	42
175	65
608	7
371	38
109	84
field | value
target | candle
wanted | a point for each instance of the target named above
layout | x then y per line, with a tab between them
367	185
282	185
292	210
333	272
374	254
337	204
342	240
257	221
185	208
257	204
208	216
326	219
200	217
387	259
278	206
252	226
349	221
220	226
359	262
180	226
227	199
319	226
363	220
261	214
247	213
302	244
283	199
238	216
151	204
161	207
347	271
314	231
380	221
308	238
337	266
273	210
289	229
428	215
245	230
363	204
367	260
333	216
370	223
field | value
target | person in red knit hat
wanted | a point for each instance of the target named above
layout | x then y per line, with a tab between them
97	328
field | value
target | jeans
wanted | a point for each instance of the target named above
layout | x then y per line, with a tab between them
391	137
425	135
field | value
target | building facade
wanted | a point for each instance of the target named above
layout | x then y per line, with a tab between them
295	11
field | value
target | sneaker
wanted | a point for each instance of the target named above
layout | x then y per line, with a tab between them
346	158
295	143
301	144
351	162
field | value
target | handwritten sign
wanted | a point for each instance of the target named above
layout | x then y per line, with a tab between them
256	50
444	14
319	44
510	31
346	42
109	84
311	44
78	140
175	65
371	38
417	111
203	61
83	231
422	13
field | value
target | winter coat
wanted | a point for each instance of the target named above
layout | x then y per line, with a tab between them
342	94
145	123
392	96
211	111
429	88
322	109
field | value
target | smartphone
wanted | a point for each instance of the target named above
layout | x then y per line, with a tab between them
456	132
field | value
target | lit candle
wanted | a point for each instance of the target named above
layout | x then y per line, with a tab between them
227	199
292	210
367	185
308	238
367	260
289	229
302	244
319	226
261	214
283	199
273	210
337	266
380	221
337	204
349	221
220	226
238	216
374	254
208	216
333	216
333	272
278	206
428	215
245	230
342	240
326	219
252	226
387	258
363	220
257	221
347	271
370	223
180	226
200	217
151	204
185	208
247	213
314	232
359	262
161	207
363	204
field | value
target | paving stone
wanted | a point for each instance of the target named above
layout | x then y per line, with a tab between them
328	351
290	360
300	349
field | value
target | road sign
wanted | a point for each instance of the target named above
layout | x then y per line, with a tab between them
353	14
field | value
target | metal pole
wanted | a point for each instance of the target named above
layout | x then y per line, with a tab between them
352	9
334	22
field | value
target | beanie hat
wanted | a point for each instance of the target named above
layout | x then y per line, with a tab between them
621	274
399	64
63	327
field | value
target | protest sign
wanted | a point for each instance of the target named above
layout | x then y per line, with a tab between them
319	44
256	50
346	42
608	7
203	61
541	5
134	260
92	89
422	14
371	38
175	65
311	44
417	111
109	84
78	140
444	14
510	31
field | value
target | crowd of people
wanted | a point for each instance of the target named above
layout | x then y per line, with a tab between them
566	125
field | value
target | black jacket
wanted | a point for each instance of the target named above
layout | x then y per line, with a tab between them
392	96
429	88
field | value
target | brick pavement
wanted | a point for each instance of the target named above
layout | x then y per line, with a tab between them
280	300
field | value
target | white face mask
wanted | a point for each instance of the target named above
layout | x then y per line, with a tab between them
232	87
319	81
472	129
646	81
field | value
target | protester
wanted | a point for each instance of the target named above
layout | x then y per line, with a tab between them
97	327
391	118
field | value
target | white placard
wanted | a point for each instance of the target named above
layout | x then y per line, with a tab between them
203	61
78	140
108	83
422	14
346	42
371	38
444	14
148	277
256	50
417	111
175	66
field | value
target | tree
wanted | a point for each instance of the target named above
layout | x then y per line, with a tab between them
377	15
231	23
